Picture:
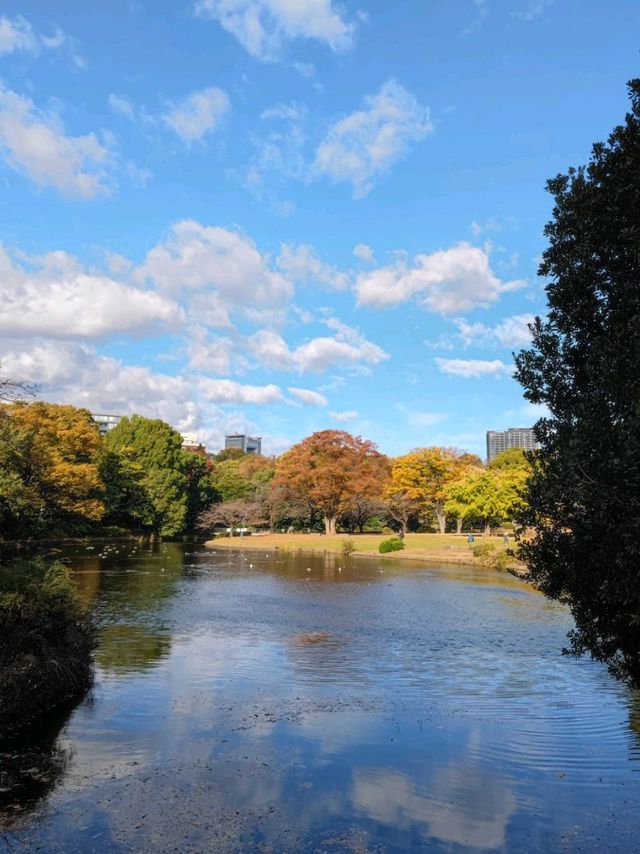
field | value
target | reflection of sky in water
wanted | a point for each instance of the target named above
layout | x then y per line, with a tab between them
378	708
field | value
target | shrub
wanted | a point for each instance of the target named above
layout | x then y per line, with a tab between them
490	556
394	544
46	642
347	548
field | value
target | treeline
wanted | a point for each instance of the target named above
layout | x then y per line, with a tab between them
334	481
60	477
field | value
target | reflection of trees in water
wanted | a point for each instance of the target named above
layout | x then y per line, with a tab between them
128	587
634	716
31	767
125	647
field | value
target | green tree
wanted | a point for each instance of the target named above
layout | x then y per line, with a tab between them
584	364
493	496
153	451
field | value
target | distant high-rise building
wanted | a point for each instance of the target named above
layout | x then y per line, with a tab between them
105	422
515	437
247	444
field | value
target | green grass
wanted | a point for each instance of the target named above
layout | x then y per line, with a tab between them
441	546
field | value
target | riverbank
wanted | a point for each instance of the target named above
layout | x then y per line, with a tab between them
46	643
429	548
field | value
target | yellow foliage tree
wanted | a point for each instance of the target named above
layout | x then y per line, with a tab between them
55	456
424	474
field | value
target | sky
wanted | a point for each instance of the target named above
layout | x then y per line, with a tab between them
283	216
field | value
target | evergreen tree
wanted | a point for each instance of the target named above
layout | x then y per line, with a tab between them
584	364
153	450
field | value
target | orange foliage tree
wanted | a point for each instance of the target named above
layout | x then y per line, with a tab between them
329	469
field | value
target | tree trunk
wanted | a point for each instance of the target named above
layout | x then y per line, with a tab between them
442	520
487	529
329	525
459	525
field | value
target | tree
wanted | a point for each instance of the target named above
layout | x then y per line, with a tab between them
359	510
401	508
12	390
154	450
584	365
48	459
512	458
423	475
329	468
201	490
491	495
230	514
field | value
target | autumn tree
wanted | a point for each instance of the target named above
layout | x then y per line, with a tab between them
401	508
230	514
584	365
329	469
423	475
49	477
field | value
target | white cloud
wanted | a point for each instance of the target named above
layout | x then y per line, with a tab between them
228	391
308	397
510	332
74	373
221	268
263	27
368	142
446	281
211	356
363	252
17	35
55	296
33	142
343	417
198	114
302	265
121	105
534	9
480	228
290	112
472	368
346	348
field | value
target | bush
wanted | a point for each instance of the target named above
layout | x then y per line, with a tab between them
347	548
490	557
46	642
394	544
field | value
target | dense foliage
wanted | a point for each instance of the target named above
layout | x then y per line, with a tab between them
584	364
393	544
330	470
46	642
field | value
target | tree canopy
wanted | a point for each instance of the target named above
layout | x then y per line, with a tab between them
329	469
584	365
423	475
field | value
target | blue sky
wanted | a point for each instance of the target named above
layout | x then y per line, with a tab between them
279	216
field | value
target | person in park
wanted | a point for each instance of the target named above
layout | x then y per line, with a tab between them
582	505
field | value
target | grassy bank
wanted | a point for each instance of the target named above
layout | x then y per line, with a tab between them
430	548
46	643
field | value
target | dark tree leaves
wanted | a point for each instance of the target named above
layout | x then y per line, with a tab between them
584	364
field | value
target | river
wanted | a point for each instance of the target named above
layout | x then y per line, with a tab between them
303	703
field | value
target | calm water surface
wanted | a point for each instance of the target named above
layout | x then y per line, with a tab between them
281	703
